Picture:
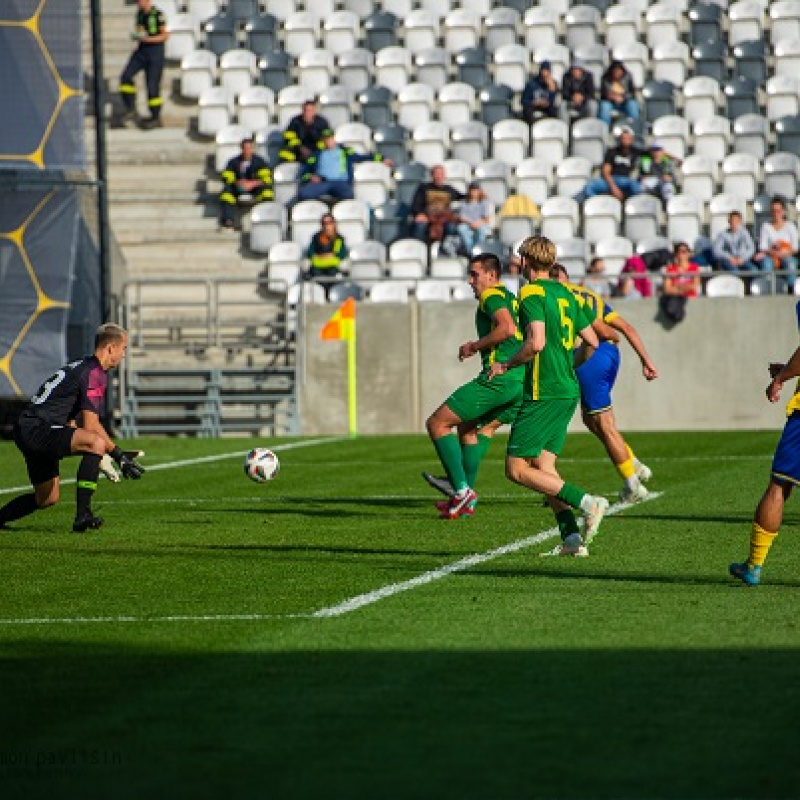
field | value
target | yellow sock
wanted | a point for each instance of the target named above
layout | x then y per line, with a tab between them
760	543
626	469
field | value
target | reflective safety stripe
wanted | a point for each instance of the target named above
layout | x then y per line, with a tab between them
127	88
325	261
227	197
229	176
154	102
267	194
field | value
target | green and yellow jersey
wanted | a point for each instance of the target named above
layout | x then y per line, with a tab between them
550	374
489	303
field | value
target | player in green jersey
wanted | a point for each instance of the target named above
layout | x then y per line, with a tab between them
596	378
551	318
479	401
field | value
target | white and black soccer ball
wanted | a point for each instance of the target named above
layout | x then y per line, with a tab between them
261	465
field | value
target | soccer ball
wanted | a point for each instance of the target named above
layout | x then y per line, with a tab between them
261	465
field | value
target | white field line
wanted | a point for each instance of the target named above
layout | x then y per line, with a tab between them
346	606
188	462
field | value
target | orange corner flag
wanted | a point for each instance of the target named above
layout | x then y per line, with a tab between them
341	325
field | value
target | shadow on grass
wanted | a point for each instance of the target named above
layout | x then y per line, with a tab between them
104	720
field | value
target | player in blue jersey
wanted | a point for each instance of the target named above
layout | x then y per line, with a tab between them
46	432
597	376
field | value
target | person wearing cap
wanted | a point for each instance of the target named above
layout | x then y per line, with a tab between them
540	95
659	171
578	92
617	94
617	170
475	218
303	136
330	170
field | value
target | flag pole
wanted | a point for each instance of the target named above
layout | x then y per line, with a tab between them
352	382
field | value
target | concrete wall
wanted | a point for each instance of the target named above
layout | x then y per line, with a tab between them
713	366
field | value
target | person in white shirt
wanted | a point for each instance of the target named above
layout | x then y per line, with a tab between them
778	243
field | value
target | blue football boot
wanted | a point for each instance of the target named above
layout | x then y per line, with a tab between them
751	576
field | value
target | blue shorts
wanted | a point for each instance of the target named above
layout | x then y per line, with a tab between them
786	463
597	377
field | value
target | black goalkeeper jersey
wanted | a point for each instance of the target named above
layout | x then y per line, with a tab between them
78	386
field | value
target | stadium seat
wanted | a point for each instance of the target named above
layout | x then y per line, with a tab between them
183	37
406	178
285	254
267	224
366	275
741	97
540	25
469	141
356	135
709	59
432	291
787	133
550	140
572	173
432	66
391	141
659	99
783	96
725	286
745	21
355	69
623	25
472	66
558	55
750	60
301	33
462	292
700	176
787	57
228	144
535	179
274	68
408	259
741	175
719	209
457	173
642	217
751	135
684	218
493	176
415	103
511	141
560	218
393	68
782	174
373	183
702	97
582	24
501	24
785	21
438	8
380	31
340	292
282	9
285	180
615	251
712	137
573	253
353	220
602	217
443	267
336	105
760	286
256	106
220	34
430	143
269	142
421	30
260	33
512	66
306	292
340	32
215	110
589	139
705	23
289	103
673	133
671	61
389	292
663	23
389	221
462	29
238	70
457	103
242	10
762	211
495	101
305	219
513	228
375	103
369	251
315	70
363	8
636	58
198	73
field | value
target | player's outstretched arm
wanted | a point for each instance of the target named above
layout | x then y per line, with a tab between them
632	335
790	370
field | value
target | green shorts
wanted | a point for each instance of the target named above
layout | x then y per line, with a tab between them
540	425
482	401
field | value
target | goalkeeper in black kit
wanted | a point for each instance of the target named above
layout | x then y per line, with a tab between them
46	432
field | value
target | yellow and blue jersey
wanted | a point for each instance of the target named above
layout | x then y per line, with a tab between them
598	306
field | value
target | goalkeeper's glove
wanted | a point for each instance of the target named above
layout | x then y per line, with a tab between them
128	465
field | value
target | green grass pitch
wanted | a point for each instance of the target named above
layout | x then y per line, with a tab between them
177	652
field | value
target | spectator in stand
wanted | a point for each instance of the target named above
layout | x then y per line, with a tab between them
619	163
659	171
682	276
248	180
431	208
596	280
617	94
474	218
634	282
734	248
326	252
330	170
578	92
778	243
626	289
304	135
540	95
